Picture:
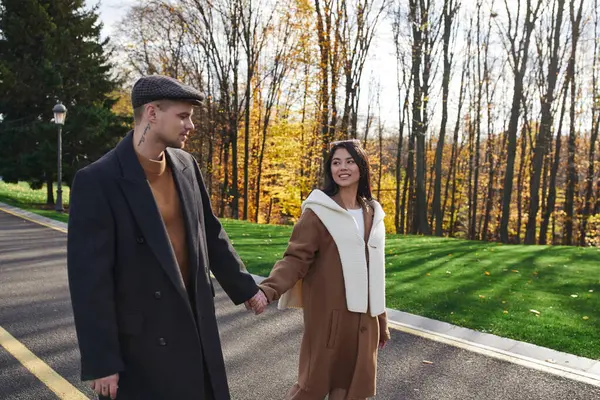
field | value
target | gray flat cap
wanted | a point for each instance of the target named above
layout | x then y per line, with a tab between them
159	87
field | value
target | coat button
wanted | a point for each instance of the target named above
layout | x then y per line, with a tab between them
363	329
140	239
162	341
158	294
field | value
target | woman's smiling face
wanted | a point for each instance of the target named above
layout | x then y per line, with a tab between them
344	169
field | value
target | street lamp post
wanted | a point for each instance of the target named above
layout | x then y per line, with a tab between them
60	113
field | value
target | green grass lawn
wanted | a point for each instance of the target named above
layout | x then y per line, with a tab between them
546	295
484	286
22	196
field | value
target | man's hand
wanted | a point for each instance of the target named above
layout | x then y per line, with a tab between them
257	303
106	386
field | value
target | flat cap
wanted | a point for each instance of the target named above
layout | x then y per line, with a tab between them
159	87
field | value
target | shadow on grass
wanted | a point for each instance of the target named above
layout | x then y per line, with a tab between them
493	288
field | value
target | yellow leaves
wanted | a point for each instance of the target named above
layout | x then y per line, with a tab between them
505	311
481	296
428	274
585	318
487	273
515	271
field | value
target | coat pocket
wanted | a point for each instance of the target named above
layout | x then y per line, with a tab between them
333	328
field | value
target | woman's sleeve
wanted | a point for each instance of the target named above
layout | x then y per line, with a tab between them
384	331
297	259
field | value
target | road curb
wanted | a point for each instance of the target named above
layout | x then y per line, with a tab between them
541	358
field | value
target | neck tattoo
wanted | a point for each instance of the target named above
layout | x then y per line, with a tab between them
143	138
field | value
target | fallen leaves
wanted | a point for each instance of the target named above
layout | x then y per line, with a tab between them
487	273
585	318
516	271
505	311
481	296
427	362
574	296
536	312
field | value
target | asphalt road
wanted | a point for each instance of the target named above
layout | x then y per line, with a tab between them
261	352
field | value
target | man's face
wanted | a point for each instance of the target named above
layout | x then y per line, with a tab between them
174	123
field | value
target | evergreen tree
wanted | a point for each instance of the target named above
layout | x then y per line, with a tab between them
51	50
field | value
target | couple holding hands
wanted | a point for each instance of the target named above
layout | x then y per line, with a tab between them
142	241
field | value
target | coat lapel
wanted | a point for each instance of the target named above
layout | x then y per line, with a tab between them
183	175
145	211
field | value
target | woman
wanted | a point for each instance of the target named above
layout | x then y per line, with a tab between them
334	269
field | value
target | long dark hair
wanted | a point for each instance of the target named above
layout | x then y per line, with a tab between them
360	158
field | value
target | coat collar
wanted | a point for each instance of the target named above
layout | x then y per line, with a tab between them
367	213
132	170
141	201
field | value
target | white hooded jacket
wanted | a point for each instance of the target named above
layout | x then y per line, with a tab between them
364	282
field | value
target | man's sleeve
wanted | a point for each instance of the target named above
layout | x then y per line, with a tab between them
90	265
225	263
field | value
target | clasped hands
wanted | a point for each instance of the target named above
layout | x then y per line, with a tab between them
257	303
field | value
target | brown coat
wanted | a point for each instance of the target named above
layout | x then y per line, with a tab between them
339	347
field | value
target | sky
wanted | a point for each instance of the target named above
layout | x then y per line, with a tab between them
111	11
381	65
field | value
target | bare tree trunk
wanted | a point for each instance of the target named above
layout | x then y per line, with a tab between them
450	10
453	201
571	166
473	234
552	184
380	169
589	184
408	184
49	192
455	153
304	171
324	49
418	18
544	136
520	57
491	138
399	221
520	176
225	192
406	83
249	40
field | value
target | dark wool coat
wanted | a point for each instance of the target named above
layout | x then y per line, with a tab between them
133	315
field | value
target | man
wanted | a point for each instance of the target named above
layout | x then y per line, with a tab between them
142	239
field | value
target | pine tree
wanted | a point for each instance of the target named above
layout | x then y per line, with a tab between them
51	50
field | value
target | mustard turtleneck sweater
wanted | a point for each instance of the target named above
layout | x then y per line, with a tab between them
165	193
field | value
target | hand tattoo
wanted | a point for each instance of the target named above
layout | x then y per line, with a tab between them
143	138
